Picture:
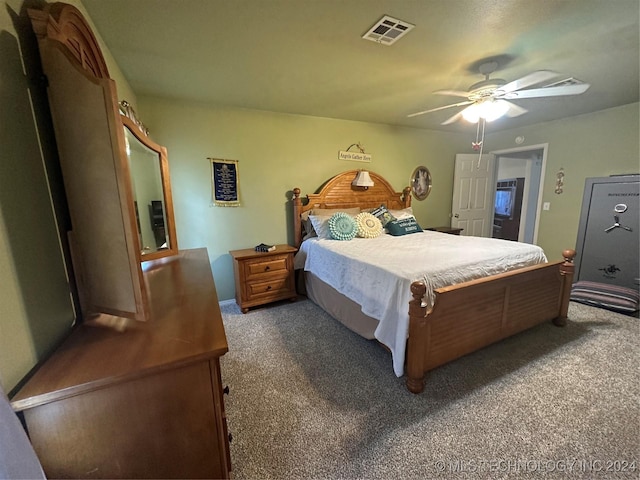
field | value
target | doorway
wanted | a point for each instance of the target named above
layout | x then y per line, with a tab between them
526	164
476	185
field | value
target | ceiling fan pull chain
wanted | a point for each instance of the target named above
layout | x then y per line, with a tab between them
479	143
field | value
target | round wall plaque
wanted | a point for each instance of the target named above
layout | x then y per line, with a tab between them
420	183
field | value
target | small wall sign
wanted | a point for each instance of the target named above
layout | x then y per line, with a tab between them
354	156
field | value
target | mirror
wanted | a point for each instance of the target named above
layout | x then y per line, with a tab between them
153	207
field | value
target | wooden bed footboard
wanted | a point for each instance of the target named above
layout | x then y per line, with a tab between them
471	315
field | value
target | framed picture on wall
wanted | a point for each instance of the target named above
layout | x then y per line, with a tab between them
420	182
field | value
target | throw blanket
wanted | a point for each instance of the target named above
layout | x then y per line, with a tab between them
377	272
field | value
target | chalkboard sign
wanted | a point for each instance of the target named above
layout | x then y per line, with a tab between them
224	182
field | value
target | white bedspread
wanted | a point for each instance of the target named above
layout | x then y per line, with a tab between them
377	272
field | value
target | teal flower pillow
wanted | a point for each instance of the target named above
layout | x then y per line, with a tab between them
342	226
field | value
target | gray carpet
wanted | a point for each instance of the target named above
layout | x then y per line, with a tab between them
311	399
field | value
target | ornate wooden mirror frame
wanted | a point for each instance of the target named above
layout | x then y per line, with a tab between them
90	134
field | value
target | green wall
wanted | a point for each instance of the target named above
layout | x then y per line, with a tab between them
277	152
595	145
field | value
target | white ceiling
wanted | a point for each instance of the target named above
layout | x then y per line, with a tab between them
307	56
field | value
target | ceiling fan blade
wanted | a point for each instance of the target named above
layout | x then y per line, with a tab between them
439	108
453	119
514	110
528	80
455	93
549	91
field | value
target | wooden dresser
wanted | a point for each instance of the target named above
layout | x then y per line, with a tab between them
145	402
263	277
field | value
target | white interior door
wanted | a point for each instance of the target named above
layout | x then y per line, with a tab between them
473	190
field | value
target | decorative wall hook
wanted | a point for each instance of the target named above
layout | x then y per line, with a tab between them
559	181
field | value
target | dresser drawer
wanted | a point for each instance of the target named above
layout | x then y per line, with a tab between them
269	289
257	268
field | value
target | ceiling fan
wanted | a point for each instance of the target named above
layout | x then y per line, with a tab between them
489	98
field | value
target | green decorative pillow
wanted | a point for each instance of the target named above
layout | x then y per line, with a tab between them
382	214
368	225
342	226
403	226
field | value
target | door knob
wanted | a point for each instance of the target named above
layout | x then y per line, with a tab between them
456	215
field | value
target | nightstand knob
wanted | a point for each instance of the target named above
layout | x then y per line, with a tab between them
268	287
267	268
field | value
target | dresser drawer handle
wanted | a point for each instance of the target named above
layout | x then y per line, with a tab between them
269	288
267	268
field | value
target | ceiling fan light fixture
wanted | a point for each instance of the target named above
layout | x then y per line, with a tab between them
494	109
472	113
489	99
490	110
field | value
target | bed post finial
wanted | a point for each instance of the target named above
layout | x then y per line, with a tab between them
416	343
566	272
406	197
297	227
568	256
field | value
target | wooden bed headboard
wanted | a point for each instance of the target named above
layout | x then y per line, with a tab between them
338	192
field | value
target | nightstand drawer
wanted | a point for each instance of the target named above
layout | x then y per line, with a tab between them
269	289
258	267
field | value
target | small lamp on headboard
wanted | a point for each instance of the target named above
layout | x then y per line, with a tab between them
362	180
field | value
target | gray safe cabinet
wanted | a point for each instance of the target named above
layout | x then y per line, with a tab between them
609	232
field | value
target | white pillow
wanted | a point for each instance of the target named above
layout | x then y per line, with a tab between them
402	214
320	225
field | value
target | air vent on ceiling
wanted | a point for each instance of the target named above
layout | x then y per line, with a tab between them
387	30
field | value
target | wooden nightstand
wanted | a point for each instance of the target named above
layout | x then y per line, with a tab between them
263	277
449	230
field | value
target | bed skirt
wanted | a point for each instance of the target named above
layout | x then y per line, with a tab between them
343	309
